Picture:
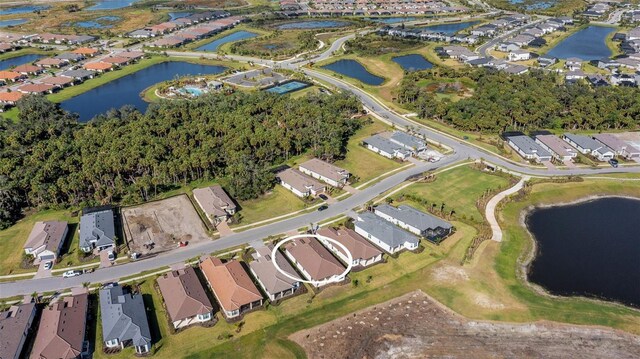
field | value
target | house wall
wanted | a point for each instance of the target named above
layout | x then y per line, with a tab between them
320	177
295	191
380	152
376	241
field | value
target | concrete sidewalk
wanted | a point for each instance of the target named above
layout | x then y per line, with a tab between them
490	211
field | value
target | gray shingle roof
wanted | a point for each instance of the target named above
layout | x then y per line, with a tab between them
413	217
98	228
123	316
79	73
584	141
385	231
529	146
407	140
385	145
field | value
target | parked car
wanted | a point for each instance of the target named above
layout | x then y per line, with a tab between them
322	208
323	197
135	255
111	255
613	162
71	273
48	265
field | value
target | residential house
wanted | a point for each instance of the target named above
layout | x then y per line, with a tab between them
528	148
116	60
363	253
574	75
124	319
415	221
141	34
272	281
300	184
184	297
598	80
36	88
78	75
619	147
588	146
51	62
57	81
62	330
70	56
314	261
10	76
621	79
507	47
515	69
559	149
408	141
546	61
97	230
86	51
519	55
386	148
46	239
607	63
383	234
28	69
98	66
15	324
232	286
215	203
573	64
326	172
10	98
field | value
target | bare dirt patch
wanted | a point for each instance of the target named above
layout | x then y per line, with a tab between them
416	326
160	226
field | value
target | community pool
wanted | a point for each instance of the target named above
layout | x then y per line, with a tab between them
288	87
193	91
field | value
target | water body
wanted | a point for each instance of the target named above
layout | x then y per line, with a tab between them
534	5
390	20
104	22
587	44
126	90
19	60
451	28
111	4
313	24
22	10
412	62
354	69
288	87
178	15
12	22
236	36
590	249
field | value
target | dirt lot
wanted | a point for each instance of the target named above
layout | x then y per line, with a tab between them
164	223
415	326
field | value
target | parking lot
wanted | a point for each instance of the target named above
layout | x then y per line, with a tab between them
160	226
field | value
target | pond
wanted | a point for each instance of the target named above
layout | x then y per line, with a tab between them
390	20
19	60
178	15
236	36
533	4
587	44
313	24
412	62
126	90
288	87
589	249
12	22
450	28
22	10
354	69
104	22
111	4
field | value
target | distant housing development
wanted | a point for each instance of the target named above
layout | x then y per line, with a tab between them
215	203
326	172
124	319
97	230
273	282
384	234
46	239
415	221
15	324
362	252
184	297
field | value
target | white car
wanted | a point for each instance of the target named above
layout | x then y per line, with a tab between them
70	273
111	256
48	265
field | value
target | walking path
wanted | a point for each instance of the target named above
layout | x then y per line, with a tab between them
490	211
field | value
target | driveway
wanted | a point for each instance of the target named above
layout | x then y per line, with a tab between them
223	229
42	273
104	259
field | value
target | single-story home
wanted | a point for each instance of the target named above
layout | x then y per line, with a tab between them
79	74
62	329
326	172
588	146
620	147
519	55
15	326
58	81
314	261
362	252
7	76
558	148
27	69
98	66
97	230
70	56
528	148
215	203
36	88
231	285
86	51
386	148
52	62
184	297
408	141
10	98
383	234
300	184
273	282
124	319
415	221
46	240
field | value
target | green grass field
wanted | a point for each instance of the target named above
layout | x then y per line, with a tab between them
275	203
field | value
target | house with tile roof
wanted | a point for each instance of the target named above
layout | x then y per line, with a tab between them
185	298
215	203
231	285
124	319
15	325
363	253
46	240
273	282
300	184
62	329
314	261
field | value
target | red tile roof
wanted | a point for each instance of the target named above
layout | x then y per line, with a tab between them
231	285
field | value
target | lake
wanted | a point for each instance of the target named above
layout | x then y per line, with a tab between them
104	22
587	44
19	60
534	4
12	22
313	24
412	62
390	20
236	36
178	15
111	4
450	28
589	249
22	10
126	90
354	69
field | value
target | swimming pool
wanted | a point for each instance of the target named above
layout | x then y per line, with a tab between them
193	91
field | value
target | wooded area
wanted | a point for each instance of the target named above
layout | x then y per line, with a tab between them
532	101
48	159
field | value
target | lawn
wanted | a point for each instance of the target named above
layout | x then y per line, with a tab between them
362	162
278	202
458	189
13	238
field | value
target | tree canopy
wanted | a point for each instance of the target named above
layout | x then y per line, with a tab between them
47	159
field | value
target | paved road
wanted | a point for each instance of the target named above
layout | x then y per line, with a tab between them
482	49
